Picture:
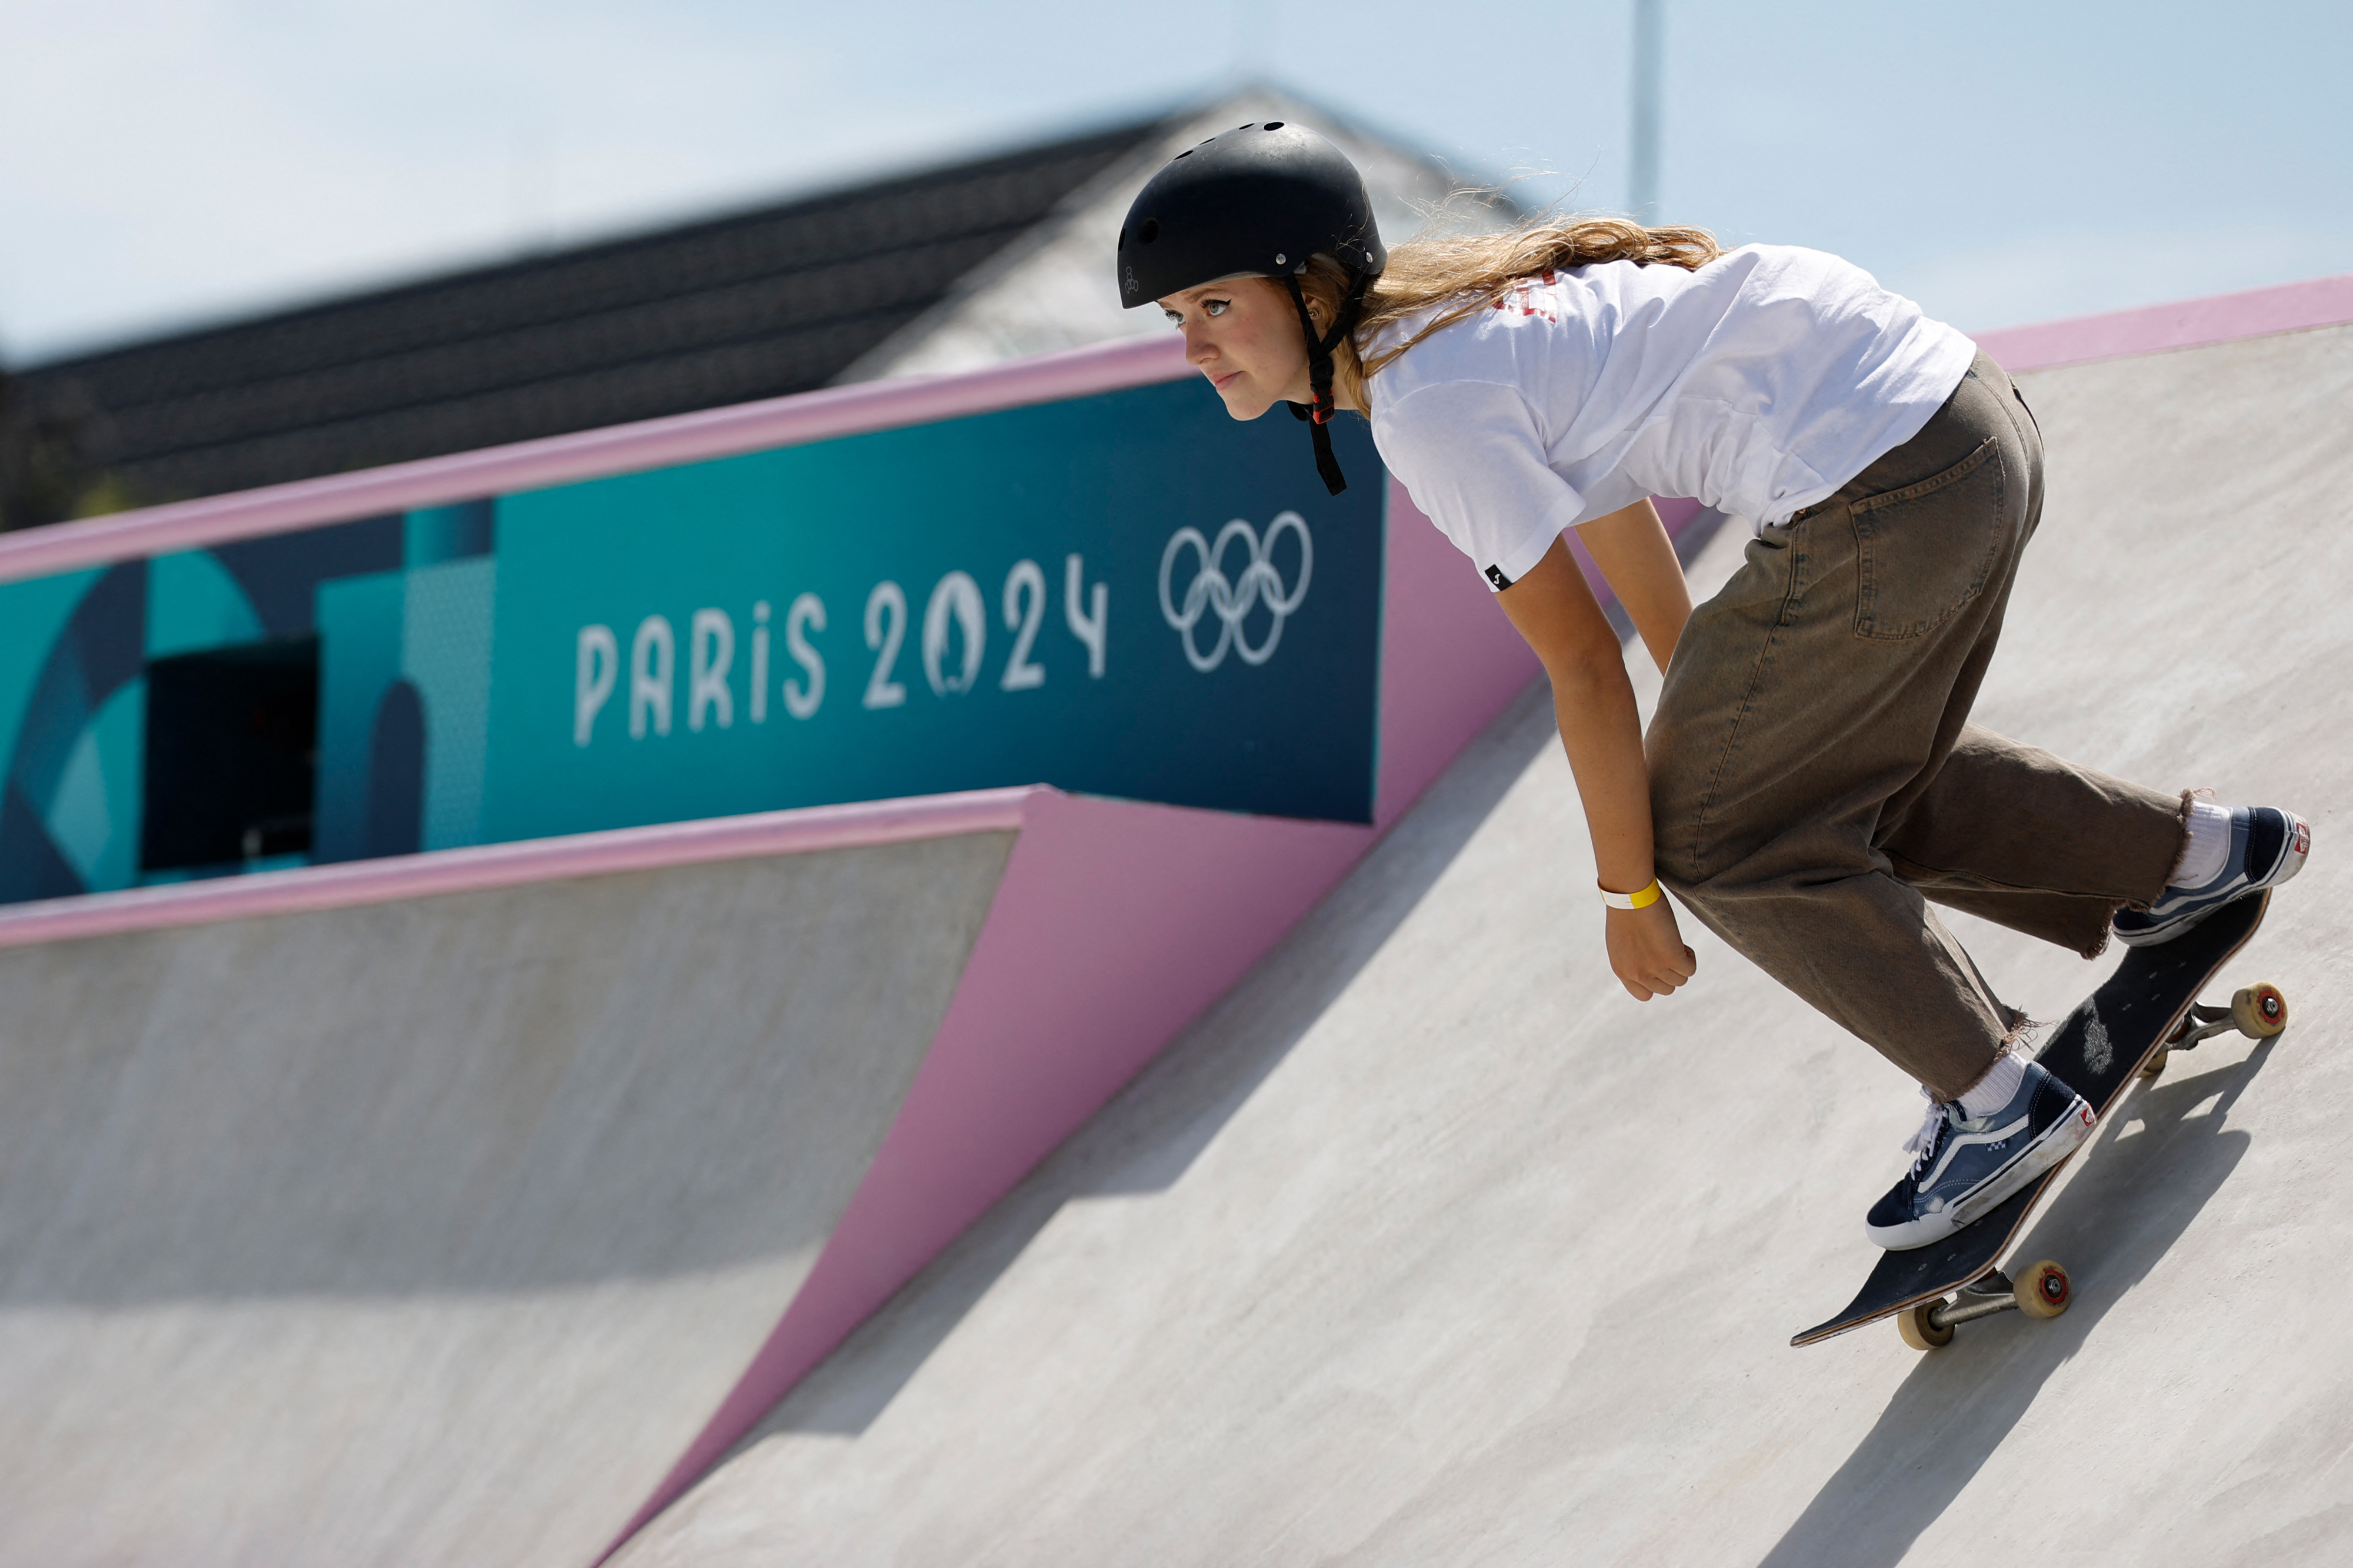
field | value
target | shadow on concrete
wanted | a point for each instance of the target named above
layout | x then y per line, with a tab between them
2164	1153
1154	1129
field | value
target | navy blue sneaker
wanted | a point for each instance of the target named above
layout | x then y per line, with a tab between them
1966	1165
2267	846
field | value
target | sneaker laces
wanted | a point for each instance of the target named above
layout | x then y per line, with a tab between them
1923	1143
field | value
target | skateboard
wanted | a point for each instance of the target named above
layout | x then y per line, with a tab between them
2124	1030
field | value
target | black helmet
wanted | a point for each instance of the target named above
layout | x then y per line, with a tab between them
1261	199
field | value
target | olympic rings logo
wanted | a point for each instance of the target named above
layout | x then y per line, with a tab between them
1232	600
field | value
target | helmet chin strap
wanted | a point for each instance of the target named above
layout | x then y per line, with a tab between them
1319	374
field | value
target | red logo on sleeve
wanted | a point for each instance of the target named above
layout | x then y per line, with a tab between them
1527	299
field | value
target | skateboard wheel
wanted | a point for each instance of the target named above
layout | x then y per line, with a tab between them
1919	1332
2154	1065
2044	1290
2259	1011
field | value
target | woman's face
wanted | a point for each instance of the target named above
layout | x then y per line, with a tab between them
1243	334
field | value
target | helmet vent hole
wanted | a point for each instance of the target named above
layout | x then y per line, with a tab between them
1272	125
1150	231
1186	154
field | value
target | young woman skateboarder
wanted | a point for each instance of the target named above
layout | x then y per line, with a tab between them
1811	777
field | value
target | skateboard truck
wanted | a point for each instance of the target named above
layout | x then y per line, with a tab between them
2257	1012
2044	1292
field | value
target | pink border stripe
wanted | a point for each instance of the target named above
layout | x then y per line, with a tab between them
1117	924
2185	324
338	886
790	421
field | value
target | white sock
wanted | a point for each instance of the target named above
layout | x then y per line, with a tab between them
2210	845
1994	1091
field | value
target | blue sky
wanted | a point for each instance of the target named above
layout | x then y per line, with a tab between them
171	160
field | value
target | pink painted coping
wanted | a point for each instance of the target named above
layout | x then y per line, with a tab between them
2186	324
794	832
775	422
1115	926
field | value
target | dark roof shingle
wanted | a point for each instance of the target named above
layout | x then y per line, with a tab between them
777	299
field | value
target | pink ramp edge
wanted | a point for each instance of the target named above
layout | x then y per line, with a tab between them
791	421
1115	926
794	832
2188	323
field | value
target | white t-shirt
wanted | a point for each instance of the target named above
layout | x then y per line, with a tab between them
1759	384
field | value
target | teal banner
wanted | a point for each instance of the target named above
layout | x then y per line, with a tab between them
1127	595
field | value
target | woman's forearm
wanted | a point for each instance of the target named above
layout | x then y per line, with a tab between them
1599	726
1601	731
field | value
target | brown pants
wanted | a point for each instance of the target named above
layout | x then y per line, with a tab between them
1814	776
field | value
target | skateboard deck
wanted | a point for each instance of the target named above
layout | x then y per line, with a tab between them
2097	1050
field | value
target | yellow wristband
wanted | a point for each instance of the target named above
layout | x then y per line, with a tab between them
1641	898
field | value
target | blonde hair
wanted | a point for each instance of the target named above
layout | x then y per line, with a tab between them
1470	272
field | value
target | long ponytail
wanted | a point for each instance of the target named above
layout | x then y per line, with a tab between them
1472	271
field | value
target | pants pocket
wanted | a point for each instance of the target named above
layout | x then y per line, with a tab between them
1924	552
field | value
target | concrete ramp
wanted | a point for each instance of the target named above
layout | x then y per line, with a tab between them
432	1232
1428	1246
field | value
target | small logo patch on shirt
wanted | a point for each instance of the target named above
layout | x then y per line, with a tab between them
1496	576
1524	298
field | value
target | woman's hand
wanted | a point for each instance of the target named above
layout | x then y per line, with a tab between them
1647	951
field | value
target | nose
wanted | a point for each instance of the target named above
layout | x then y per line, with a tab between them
1199	349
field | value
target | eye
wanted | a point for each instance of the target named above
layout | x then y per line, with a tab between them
1175	320
1215	307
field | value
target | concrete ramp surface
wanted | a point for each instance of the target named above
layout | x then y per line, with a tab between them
433	1232
1428	1245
